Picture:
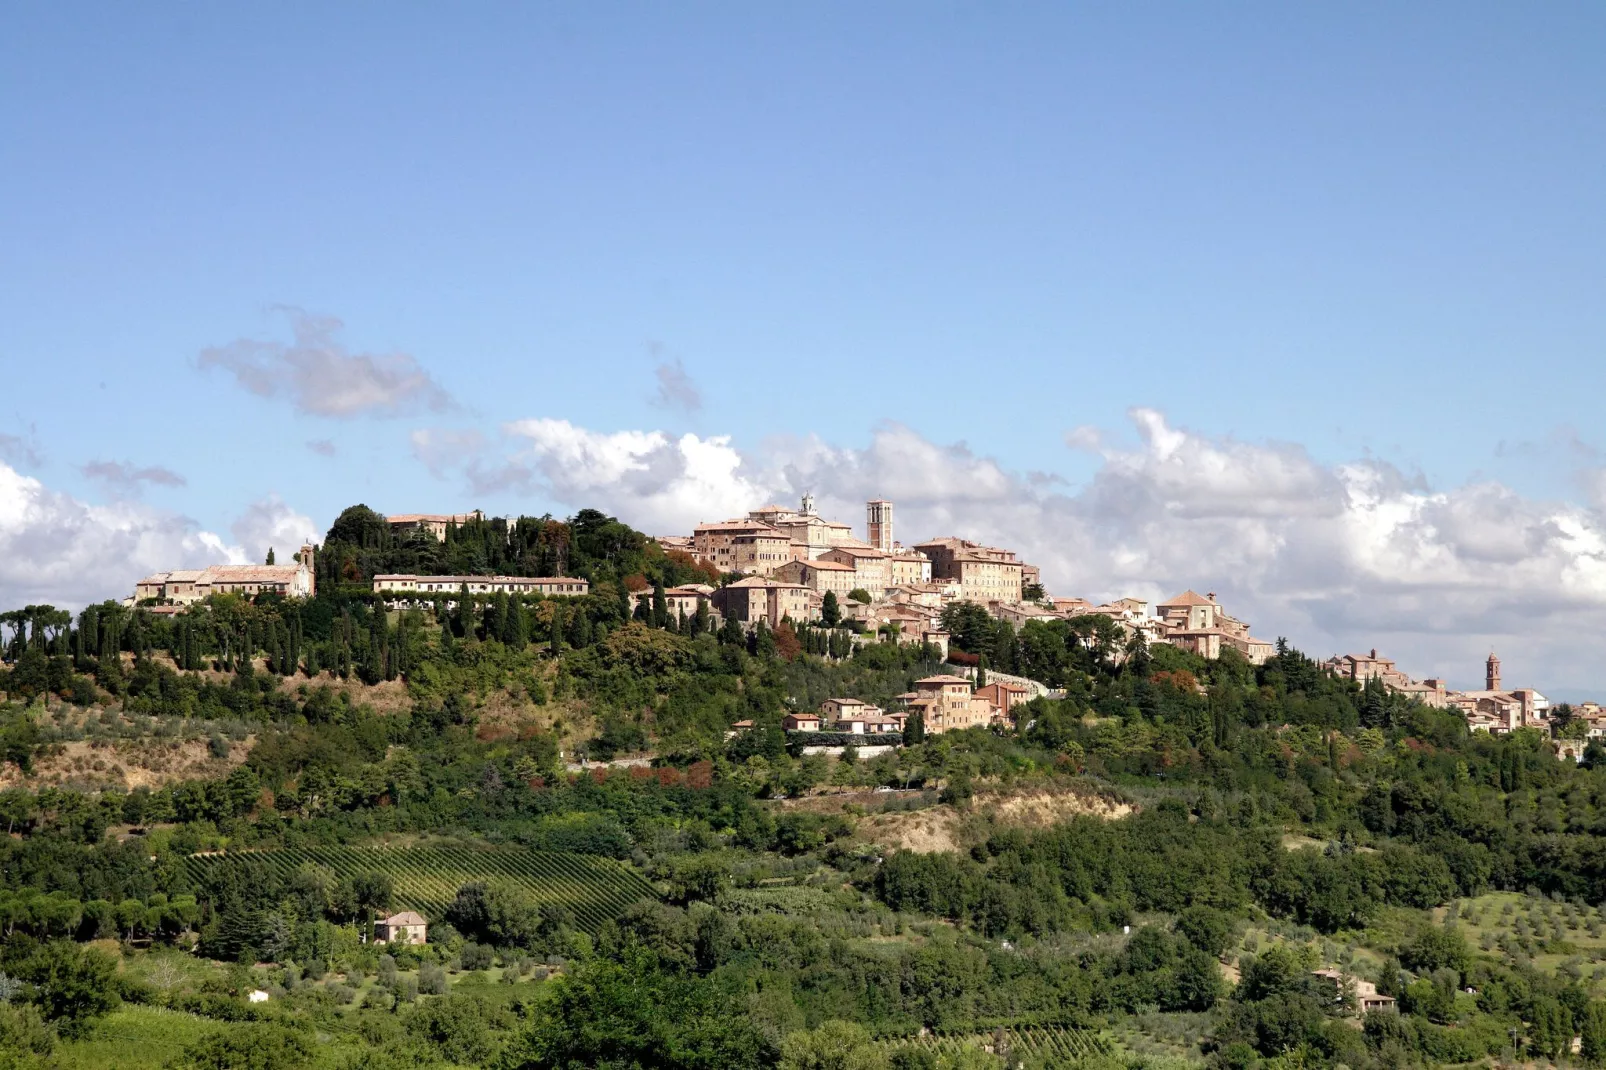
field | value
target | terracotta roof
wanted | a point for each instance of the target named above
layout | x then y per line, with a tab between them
856	551
736	525
944	679
828	566
414	518
1187	598
406	917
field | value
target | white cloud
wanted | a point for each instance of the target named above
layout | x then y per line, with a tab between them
320	376
59	550
269	522
1332	556
661	483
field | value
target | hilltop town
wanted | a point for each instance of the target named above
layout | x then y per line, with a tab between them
779	567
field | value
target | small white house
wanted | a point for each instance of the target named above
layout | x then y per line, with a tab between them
256	995
408	927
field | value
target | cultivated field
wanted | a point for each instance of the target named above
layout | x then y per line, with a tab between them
427	878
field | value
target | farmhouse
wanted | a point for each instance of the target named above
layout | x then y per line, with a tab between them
408	927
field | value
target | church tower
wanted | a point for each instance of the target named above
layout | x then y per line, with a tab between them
1491	674
878	524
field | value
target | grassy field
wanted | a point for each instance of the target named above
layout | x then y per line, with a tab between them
1556	937
134	1038
594	889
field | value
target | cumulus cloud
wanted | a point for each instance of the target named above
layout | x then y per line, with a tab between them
127	480
662	483
675	387
1333	556
57	549
320	376
269	522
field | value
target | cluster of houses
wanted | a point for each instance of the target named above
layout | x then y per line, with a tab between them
789	560
1495	709
943	703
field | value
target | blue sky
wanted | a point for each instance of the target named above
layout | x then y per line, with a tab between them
1374	233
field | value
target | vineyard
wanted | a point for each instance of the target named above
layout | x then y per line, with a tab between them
1017	1042
426	879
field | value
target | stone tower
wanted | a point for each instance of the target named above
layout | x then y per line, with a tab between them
808	504
1491	674
878	524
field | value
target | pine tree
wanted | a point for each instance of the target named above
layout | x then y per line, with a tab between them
730	633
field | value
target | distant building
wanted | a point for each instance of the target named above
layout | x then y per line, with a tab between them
822	575
1367	998
1497	710
869	567
407	927
946	703
434	523
1199	624
1005	696
1364	667
755	599
985	573
187	586
747	546
680	601
835	709
801	722
878	524
449	585
907	568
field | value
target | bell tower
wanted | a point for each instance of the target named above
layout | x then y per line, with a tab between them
1491	674
878	524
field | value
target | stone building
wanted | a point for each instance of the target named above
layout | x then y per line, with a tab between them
406	927
433	523
184	587
985	573
756	598
431	586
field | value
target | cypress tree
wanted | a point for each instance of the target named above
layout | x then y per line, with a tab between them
496	616
514	633
660	606
556	645
699	620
